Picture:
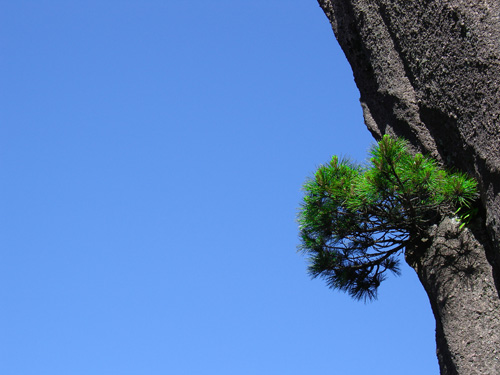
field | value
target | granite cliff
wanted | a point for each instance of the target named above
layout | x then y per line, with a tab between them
429	71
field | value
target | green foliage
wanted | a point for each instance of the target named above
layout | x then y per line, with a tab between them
355	221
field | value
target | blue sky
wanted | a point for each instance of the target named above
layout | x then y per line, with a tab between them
152	155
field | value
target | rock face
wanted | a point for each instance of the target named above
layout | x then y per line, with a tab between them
457	278
429	71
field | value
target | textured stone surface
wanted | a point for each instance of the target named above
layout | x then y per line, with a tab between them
457	277
429	71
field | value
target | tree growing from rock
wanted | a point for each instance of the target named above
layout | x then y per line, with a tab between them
356	221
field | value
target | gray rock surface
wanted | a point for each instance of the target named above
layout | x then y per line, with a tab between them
457	277
429	71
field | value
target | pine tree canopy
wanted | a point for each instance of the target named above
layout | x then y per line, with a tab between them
356	221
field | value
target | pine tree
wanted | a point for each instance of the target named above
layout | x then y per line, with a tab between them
356	221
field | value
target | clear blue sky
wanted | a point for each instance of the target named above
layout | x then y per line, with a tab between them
152	155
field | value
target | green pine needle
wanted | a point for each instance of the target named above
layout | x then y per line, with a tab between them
355	220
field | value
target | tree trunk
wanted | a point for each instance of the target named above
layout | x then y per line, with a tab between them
429	71
457	277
